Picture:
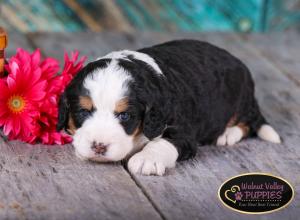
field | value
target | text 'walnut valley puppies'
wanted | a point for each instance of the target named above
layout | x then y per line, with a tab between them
155	105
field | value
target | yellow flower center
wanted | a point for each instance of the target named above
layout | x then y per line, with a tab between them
16	103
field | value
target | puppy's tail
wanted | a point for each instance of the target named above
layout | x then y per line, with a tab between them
261	127
268	133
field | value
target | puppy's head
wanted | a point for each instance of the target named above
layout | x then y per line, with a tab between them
109	109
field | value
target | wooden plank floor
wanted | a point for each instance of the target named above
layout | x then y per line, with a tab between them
48	182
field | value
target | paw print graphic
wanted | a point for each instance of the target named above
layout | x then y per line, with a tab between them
238	196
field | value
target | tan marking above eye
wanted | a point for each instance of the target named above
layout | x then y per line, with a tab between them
71	125
121	105
86	102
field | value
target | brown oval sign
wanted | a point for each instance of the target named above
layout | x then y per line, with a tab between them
256	193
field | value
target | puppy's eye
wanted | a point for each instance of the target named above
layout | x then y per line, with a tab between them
124	116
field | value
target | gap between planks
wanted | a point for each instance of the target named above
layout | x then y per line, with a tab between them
144	191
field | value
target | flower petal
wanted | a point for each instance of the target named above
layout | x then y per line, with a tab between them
37	92
36	75
8	127
17	126
14	67
4	91
11	82
3	110
36	58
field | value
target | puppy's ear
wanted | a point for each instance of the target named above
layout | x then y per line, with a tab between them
63	113
154	123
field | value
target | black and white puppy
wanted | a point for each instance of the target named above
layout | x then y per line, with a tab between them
154	106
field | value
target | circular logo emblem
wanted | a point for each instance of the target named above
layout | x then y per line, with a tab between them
256	193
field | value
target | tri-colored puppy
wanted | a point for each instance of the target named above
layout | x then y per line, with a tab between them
154	106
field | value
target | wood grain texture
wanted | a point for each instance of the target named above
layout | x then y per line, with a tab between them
281	49
187	192
49	182
92	44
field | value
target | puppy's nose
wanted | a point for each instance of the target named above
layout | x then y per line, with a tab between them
99	148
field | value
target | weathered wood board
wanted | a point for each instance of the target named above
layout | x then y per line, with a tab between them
57	185
16	40
92	44
49	182
281	49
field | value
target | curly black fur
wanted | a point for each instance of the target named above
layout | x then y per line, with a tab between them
202	87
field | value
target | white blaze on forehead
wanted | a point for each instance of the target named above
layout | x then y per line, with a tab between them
107	86
123	54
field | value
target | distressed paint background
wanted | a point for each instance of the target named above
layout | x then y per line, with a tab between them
154	15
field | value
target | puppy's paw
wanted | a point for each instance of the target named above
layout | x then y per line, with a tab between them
156	156
231	136
143	163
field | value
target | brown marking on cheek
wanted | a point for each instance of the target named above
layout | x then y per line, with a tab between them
71	125
86	102
245	128
121	105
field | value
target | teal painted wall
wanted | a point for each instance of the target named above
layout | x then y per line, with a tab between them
157	15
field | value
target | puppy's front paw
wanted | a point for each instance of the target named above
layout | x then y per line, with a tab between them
143	163
231	136
156	156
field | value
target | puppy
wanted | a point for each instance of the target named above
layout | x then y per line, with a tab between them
154	106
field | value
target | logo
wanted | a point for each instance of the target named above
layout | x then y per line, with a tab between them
256	193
